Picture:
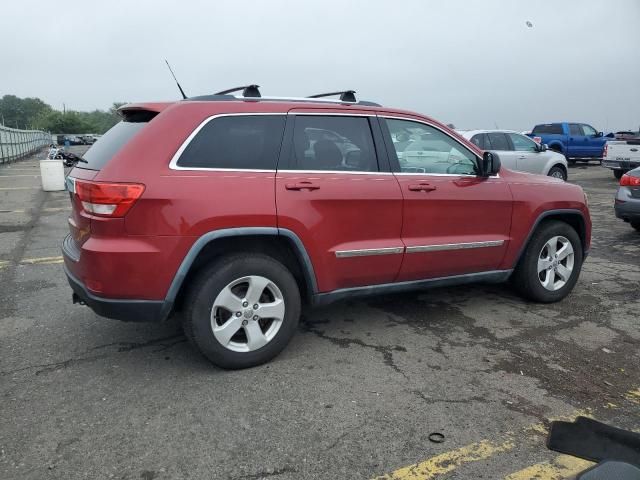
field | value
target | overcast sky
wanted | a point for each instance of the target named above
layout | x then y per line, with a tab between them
474	64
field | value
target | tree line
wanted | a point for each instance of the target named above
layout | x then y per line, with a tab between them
34	114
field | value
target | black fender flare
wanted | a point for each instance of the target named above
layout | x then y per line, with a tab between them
208	237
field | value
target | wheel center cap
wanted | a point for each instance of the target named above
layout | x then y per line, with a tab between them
248	313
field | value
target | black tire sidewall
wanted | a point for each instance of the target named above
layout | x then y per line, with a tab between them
211	282
561	170
529	268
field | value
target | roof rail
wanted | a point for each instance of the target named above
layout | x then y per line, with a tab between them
247	91
345	96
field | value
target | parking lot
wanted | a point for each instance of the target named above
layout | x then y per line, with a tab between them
355	395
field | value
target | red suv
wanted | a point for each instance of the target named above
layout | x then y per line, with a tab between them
236	210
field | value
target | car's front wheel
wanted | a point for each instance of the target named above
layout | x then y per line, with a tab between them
558	172
241	311
551	263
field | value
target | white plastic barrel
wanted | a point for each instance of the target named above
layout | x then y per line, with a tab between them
52	175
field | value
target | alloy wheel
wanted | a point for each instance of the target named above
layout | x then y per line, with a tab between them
247	314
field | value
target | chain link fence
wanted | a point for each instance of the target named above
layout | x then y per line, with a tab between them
16	144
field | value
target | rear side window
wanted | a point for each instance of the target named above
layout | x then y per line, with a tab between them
338	143
499	141
238	142
574	129
548	128
109	144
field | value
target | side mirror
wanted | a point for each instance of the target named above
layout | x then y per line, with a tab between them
599	134
542	147
490	164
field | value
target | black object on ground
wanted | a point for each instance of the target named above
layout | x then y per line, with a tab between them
591	440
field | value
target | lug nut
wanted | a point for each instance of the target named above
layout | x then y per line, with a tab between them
245	304
255	307
238	314
256	317
244	322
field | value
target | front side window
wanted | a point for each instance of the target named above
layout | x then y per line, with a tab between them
333	143
238	142
522	143
421	148
589	130
499	141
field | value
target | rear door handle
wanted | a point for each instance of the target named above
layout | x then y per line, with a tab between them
421	187
522	157
302	186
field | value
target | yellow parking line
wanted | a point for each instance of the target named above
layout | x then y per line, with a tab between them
13	176
41	261
633	396
51	209
542	429
560	467
448	461
4	263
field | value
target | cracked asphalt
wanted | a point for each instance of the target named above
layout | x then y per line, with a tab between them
354	396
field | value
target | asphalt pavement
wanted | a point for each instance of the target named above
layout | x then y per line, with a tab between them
355	395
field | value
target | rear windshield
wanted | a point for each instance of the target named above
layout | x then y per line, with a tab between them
550	128
109	144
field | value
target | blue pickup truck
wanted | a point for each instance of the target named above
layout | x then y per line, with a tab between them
574	140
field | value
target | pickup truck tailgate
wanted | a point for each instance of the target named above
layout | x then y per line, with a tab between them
622	155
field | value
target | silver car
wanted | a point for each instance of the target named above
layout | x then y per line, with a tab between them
519	152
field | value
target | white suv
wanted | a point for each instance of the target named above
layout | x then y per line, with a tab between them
519	152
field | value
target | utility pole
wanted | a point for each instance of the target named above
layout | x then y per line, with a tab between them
64	109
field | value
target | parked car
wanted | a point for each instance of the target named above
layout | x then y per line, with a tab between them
215	208
627	204
621	156
574	140
519	152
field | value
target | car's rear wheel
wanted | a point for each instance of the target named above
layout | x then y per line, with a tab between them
558	171
551	263
241	311
618	174
636	225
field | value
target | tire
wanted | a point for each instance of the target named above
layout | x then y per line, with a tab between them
530	283
557	171
618	174
636	225
226	281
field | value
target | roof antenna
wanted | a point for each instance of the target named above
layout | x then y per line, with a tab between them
174	77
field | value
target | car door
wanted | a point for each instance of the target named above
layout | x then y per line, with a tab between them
335	191
594	144
454	221
528	157
499	142
578	144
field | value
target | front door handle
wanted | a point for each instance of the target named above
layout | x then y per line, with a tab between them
302	186
522	157
421	187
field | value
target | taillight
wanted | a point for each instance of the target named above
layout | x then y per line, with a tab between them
606	149
629	181
107	199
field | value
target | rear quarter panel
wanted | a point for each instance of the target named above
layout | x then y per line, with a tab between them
533	195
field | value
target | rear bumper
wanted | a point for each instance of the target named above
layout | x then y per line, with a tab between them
126	310
620	165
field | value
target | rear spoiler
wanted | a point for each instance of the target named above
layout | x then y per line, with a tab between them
141	112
